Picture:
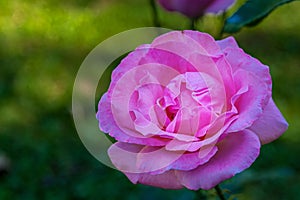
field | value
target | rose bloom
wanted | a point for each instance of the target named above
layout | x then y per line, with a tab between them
188	111
196	8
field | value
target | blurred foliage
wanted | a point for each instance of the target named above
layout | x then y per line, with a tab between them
42	46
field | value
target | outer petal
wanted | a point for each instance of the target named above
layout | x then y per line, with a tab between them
178	41
236	153
204	40
238	59
132	158
167	180
227	42
270	125
251	102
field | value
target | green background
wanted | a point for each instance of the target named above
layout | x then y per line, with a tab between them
42	45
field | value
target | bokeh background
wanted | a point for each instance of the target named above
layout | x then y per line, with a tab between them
42	45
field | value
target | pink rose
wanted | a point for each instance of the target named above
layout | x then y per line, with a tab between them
196	8
188	111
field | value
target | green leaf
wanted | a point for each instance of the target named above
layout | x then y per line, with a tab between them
251	13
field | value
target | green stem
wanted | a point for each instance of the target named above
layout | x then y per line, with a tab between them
154	13
200	195
220	193
223	18
193	23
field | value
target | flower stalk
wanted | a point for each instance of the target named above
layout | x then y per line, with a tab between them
193	23
220	193
200	195
155	19
222	22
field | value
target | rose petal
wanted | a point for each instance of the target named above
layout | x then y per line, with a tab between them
108	125
236	153
250	103
167	180
206	58
270	125
191	160
228	42
168	59
143	100
177	42
213	135
131	158
225	71
125	87
238	60
205	41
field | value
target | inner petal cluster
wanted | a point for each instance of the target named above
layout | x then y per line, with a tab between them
183	106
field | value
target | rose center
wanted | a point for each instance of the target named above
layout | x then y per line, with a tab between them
171	112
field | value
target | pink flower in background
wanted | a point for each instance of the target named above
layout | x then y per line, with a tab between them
188	111
196	8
